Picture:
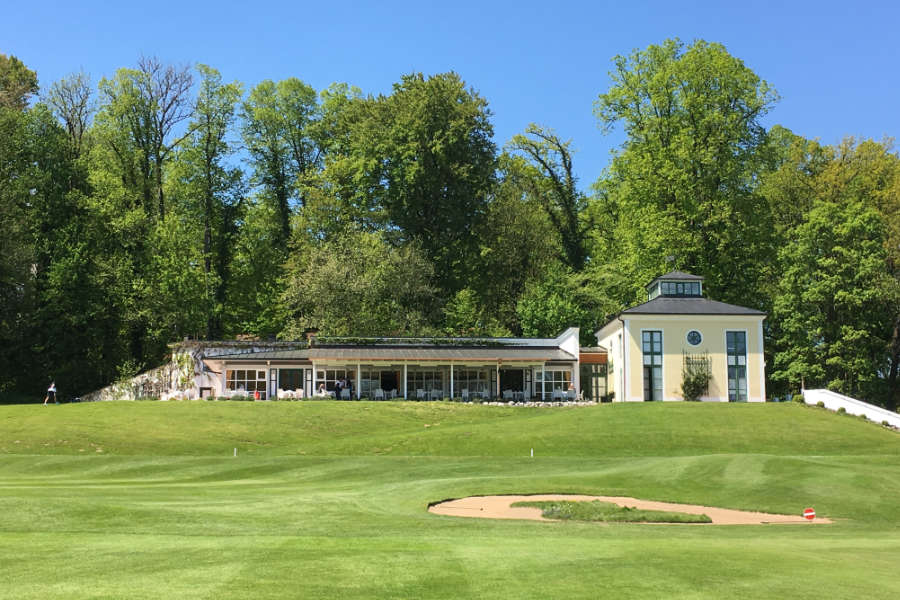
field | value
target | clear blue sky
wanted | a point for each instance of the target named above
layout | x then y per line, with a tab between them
834	64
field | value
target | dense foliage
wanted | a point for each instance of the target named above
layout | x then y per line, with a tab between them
164	202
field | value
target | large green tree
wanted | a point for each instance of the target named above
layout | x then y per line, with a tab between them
517	244
358	285
211	189
836	300
17	83
72	101
277	121
142	110
426	161
681	191
552	182
838	295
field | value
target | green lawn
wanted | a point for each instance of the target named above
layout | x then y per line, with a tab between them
145	500
607	512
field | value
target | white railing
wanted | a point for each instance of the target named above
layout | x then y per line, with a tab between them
835	401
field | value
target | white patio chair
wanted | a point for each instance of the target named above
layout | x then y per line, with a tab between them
557	395
465	395
379	394
571	395
345	394
420	394
507	394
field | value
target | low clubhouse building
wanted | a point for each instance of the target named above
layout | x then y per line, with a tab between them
640	356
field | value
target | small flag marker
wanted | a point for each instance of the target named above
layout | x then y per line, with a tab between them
235	452
532	453
809	514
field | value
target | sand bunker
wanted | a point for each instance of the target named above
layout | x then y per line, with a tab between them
498	507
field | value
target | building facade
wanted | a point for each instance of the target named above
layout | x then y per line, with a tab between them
650	345
543	369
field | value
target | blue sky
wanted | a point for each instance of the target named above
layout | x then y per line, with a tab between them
835	65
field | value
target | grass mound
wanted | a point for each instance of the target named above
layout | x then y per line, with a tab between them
608	512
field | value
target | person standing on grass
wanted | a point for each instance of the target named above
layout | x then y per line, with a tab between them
51	394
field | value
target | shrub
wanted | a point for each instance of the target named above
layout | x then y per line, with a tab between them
842	411
820	404
798	398
695	376
885	423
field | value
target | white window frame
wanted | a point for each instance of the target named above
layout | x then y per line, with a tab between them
746	361
662	360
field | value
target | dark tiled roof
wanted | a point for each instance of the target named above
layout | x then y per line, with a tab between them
662	305
676	276
381	353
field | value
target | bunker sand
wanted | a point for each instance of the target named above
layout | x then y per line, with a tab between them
498	507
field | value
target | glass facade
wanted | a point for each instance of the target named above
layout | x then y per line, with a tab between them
593	381
476	381
329	377
651	346
428	382
675	288
736	349
548	381
247	381
290	379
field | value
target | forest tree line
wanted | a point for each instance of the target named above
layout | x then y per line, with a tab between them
164	202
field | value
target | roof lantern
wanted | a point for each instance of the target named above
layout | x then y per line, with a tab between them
676	284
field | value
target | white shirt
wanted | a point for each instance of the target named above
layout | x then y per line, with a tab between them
52	388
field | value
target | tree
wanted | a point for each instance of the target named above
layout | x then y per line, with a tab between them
56	318
142	109
256	277
465	316
210	188
552	182
71	100
836	300
358	285
814	188
425	161
517	244
683	184
277	121
17	83
562	299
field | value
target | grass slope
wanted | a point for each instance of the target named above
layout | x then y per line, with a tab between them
143	500
433	429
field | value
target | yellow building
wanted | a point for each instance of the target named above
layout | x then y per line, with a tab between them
649	345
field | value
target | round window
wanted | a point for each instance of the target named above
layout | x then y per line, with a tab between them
694	338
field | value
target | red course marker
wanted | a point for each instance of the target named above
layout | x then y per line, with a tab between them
809	514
